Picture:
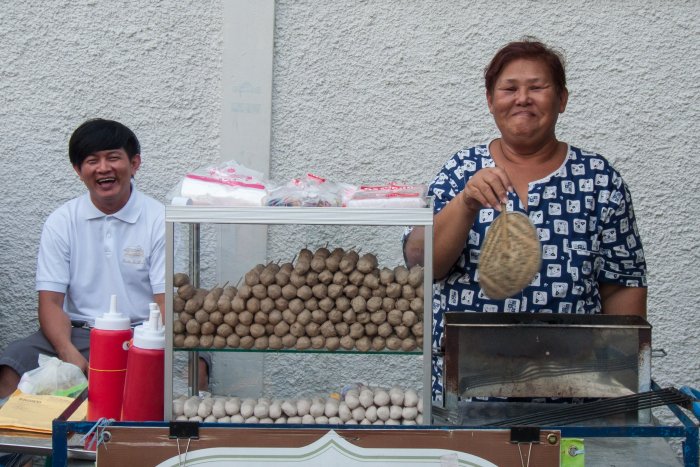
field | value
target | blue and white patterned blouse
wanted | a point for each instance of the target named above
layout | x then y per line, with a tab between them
585	222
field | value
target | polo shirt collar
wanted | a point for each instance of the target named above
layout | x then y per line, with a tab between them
129	213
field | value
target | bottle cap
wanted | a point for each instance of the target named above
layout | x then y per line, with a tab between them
151	334
113	320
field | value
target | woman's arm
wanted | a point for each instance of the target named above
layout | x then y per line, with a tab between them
620	300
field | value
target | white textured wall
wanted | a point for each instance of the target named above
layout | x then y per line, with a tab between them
363	91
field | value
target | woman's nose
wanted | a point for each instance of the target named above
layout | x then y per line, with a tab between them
522	97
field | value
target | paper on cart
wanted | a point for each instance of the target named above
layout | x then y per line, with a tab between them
35	413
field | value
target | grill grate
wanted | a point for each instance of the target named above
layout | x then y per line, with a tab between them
599	408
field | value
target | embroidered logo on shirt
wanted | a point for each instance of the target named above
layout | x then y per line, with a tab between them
134	255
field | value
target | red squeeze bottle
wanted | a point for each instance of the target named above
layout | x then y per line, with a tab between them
144	387
109	341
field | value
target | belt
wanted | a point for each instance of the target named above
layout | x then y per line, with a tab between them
80	324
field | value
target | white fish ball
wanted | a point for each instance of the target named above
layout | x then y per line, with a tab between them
182	418
322	420
247	409
358	414
331	408
334	421
381	398
395	412
419	419
205	407
289	408
352	400
267	420
196	418
252	420
210	419
410	398
224	419
383	413
317	408
408	422
378	422
191	407
396	395
303	407
178	407
344	412
366	398
308	420
281	420
237	418
233	406
294	420
392	422
275	411
261	410
365	422
351	422
219	408
409	413
371	413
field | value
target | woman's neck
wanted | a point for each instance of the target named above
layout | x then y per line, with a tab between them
530	155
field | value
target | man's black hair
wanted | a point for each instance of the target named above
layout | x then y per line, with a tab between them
98	135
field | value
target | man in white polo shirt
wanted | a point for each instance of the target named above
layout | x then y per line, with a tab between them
108	241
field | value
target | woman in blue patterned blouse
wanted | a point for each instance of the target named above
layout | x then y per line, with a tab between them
592	257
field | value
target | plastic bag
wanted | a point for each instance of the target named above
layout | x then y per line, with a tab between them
225	184
392	195
310	191
53	377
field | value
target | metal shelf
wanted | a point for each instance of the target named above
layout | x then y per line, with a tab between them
267	215
299	215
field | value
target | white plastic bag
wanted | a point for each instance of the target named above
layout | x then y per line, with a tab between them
54	377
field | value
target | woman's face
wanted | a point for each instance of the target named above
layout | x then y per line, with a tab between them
525	102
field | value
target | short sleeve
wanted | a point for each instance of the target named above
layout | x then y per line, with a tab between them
621	246
53	261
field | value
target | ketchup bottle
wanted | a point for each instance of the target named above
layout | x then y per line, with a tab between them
109	341
143	391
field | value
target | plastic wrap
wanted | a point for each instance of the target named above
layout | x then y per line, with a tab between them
226	184
392	195
310	191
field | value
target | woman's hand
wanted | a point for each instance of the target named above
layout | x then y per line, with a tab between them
488	188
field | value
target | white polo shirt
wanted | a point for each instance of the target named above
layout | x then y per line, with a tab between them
89	256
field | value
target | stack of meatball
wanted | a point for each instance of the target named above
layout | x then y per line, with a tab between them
332	300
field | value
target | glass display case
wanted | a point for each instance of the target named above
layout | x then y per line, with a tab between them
310	314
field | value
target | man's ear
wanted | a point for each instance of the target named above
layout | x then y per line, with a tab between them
135	163
77	170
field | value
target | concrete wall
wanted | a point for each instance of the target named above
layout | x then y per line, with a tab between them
363	91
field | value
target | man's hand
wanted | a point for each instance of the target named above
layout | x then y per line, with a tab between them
72	355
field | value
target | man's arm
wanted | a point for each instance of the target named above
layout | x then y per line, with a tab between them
620	300
159	298
55	325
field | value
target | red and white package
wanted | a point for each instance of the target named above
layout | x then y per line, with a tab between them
392	195
227	184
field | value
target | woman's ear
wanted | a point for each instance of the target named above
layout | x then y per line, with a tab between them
563	100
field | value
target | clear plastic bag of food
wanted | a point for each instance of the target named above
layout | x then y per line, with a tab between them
226	184
391	195
310	191
54	377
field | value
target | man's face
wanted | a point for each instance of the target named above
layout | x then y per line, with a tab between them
107	176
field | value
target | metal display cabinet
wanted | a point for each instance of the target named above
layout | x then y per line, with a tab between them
195	217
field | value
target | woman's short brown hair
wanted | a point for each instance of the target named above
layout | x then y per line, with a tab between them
529	49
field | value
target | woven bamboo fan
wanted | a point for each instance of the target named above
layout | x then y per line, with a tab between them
510	256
